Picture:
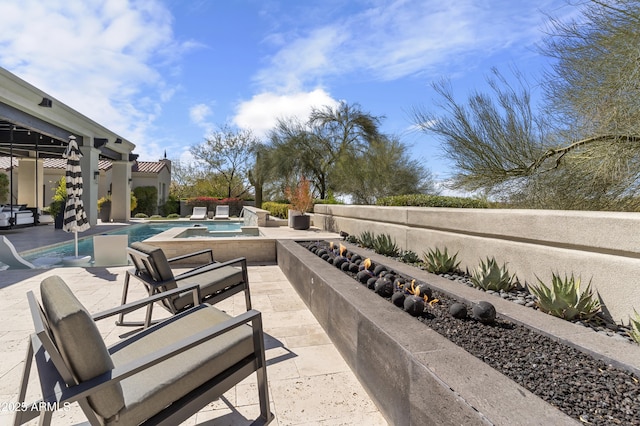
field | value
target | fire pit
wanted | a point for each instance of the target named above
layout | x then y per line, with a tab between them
418	376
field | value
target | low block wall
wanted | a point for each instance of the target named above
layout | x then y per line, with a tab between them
414	375
603	247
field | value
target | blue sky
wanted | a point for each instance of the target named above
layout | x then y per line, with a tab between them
165	73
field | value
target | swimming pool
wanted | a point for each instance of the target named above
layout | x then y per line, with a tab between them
53	255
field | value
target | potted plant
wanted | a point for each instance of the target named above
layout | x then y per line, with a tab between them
301	201
59	200
104	206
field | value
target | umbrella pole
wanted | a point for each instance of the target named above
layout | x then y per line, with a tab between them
76	235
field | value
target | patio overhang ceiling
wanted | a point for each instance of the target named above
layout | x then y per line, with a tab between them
26	136
34	124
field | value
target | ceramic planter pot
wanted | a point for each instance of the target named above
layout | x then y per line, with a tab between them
301	222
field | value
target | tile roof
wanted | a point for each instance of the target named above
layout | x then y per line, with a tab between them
61	163
148	166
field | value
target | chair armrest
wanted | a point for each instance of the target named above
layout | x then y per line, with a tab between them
195	253
213	266
130	307
84	389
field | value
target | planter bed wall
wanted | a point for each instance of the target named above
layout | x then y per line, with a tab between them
414	375
598	246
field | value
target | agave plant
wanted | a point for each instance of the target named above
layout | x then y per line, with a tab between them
409	256
565	300
383	244
366	239
439	262
635	327
490	276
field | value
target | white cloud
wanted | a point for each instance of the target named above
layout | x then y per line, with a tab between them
199	115
398	38
102	58
261	112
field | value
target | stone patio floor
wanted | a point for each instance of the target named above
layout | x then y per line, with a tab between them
309	382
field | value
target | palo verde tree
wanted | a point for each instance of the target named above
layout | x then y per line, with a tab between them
316	147
384	169
579	149
228	153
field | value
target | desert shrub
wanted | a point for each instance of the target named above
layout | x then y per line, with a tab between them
440	262
385	245
140	216
275	209
147	200
491	276
173	216
423	200
563	299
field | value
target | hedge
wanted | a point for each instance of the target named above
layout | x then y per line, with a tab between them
422	200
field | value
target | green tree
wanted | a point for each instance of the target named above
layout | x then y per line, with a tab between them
146	200
228	153
316	148
580	148
384	169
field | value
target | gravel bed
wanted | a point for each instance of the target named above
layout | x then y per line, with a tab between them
583	387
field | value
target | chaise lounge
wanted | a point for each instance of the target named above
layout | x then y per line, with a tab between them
199	213
222	213
216	280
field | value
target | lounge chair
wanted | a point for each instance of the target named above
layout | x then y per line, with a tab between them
222	212
9	256
216	280
161	375
199	213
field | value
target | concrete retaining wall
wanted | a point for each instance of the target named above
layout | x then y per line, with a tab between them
414	375
603	247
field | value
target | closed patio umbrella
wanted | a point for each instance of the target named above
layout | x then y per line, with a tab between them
75	218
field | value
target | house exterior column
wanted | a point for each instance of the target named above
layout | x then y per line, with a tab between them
89	165
120	191
30	189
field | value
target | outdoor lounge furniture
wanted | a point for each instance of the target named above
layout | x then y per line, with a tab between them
222	212
18	214
9	256
199	213
161	375
216	280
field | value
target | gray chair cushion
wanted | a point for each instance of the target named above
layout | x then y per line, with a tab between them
210	282
80	343
160	260
151	390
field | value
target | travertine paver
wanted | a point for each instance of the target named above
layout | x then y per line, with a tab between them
309	382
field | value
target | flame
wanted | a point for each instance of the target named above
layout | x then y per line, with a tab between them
432	301
414	290
342	249
367	263
331	245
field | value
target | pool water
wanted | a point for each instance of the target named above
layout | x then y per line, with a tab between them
140	232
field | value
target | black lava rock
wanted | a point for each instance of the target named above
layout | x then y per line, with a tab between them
414	305
345	266
363	276
325	256
384	287
353	268
378	269
484	312
458	310
371	283
398	299
338	261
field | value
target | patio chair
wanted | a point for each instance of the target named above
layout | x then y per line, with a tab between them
216	280
161	375
10	257
199	213
222	212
